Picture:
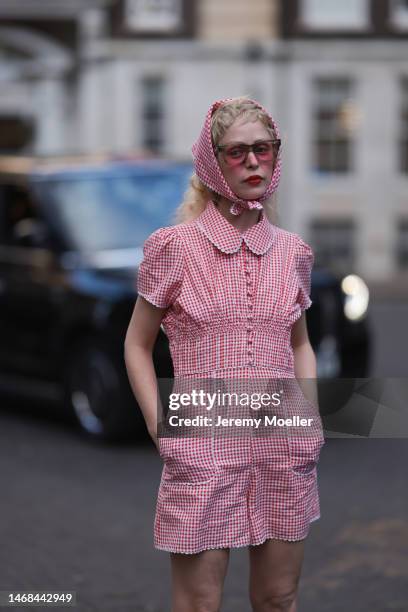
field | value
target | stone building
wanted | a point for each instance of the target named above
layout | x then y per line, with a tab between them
91	75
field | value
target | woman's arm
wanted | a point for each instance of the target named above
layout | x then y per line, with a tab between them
140	338
305	360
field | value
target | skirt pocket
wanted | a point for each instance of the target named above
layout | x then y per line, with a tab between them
304	431
305	453
188	461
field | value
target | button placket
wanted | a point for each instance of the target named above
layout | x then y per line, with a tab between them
250	305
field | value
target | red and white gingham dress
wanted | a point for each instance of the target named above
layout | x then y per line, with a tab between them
231	301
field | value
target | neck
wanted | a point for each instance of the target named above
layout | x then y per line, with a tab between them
242	222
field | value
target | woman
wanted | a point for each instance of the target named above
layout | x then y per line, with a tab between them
231	289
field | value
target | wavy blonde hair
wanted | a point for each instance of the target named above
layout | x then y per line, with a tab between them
197	194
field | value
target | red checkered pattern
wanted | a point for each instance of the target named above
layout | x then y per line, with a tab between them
208	170
232	299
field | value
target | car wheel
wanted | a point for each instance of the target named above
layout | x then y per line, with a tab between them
97	394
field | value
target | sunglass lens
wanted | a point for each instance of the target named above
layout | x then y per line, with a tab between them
234	155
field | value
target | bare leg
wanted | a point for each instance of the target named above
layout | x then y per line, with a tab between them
275	568
198	579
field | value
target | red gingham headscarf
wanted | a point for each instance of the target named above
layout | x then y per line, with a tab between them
209	172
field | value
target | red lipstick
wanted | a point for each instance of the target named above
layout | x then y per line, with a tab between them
255	179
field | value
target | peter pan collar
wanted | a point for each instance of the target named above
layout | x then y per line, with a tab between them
228	239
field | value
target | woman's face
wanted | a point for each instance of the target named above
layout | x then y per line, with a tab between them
237	174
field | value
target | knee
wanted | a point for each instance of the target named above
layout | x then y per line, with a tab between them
274	601
197	603
206	604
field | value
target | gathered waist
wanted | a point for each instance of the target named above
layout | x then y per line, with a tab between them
225	352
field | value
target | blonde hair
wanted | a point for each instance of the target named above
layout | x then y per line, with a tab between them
197	195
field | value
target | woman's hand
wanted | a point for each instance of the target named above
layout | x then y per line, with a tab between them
305	361
140	338
153	435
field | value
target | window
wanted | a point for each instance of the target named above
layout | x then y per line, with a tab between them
334	15
153	113
122	207
165	16
403	131
402	243
333	241
333	123
399	13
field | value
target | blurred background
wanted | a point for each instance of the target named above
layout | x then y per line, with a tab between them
93	75
100	100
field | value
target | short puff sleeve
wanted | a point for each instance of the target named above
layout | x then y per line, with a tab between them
160	274
304	259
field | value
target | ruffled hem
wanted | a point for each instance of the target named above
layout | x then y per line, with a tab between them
229	545
307	303
155	302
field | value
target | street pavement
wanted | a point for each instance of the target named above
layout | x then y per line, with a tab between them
77	515
390	338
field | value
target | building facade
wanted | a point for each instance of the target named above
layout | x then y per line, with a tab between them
92	75
348	99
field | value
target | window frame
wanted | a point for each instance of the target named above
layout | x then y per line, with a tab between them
403	126
153	115
306	25
143	16
334	261
120	28
344	136
401	254
394	20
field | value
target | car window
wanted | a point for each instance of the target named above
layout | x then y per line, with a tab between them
117	211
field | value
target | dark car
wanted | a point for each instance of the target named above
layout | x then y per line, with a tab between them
71	237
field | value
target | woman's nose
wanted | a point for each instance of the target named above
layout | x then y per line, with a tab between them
251	159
